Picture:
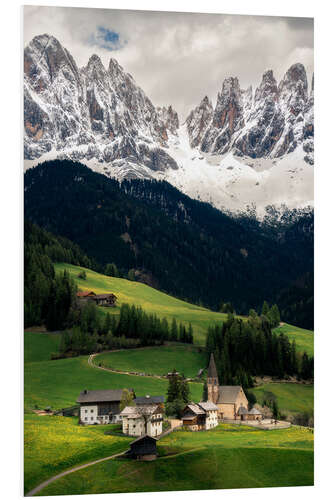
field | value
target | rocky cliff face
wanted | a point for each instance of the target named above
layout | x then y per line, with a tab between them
90	113
198	121
272	123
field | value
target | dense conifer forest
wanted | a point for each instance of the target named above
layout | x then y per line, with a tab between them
151	232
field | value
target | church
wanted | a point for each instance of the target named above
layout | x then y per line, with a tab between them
230	399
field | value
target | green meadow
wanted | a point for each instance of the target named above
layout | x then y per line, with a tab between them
224	457
186	359
291	398
150	299
58	383
40	346
53	444
303	338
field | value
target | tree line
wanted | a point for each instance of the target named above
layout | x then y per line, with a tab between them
92	332
243	349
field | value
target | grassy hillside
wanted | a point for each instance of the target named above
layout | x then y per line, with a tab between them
54	444
151	300
291	398
225	457
40	346
58	383
154	301
303	338
156	360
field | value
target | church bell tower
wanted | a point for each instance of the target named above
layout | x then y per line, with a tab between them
212	381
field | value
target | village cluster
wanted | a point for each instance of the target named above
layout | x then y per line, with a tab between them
146	415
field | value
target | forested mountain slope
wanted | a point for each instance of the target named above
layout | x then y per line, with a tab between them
182	246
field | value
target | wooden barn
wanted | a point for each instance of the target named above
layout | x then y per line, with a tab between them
105	299
194	417
143	448
102	299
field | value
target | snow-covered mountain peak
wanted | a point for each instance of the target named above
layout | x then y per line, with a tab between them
231	155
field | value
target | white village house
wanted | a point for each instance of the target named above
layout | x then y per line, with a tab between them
143	419
100	407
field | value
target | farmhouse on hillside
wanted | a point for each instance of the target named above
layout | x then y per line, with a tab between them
102	299
143	448
100	407
143	419
228	398
200	416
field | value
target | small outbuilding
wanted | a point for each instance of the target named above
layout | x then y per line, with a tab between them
143	448
242	413
254	414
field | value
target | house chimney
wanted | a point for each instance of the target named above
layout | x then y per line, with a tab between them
85	391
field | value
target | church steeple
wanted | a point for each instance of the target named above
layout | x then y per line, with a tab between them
212	381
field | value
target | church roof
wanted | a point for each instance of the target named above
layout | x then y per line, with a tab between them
212	372
228	393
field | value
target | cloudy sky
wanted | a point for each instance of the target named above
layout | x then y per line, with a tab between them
178	58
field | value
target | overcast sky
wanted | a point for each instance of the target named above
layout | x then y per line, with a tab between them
178	58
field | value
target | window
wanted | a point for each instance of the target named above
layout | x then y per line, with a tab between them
92	411
86	411
86	418
92	418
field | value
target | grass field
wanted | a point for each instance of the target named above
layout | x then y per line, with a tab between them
58	383
53	444
225	457
40	346
304	338
291	398
150	299
156	360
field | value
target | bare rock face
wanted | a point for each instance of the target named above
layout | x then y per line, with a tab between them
273	122
93	113
169	118
198	121
227	118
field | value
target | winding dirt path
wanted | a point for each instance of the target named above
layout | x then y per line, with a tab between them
133	374
38	488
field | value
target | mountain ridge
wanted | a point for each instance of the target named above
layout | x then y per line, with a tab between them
101	117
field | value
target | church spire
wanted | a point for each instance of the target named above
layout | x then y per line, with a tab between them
212	381
212	372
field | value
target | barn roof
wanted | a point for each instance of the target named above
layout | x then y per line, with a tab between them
104	295
212	372
149	399
228	393
208	405
143	438
99	396
195	409
86	293
139	410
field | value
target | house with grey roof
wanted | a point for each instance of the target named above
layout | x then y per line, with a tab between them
200	416
228	398
100	406
142	419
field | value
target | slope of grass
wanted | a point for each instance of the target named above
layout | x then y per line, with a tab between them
304	338
40	346
156	360
150	299
225	457
291	398
53	444
58	383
